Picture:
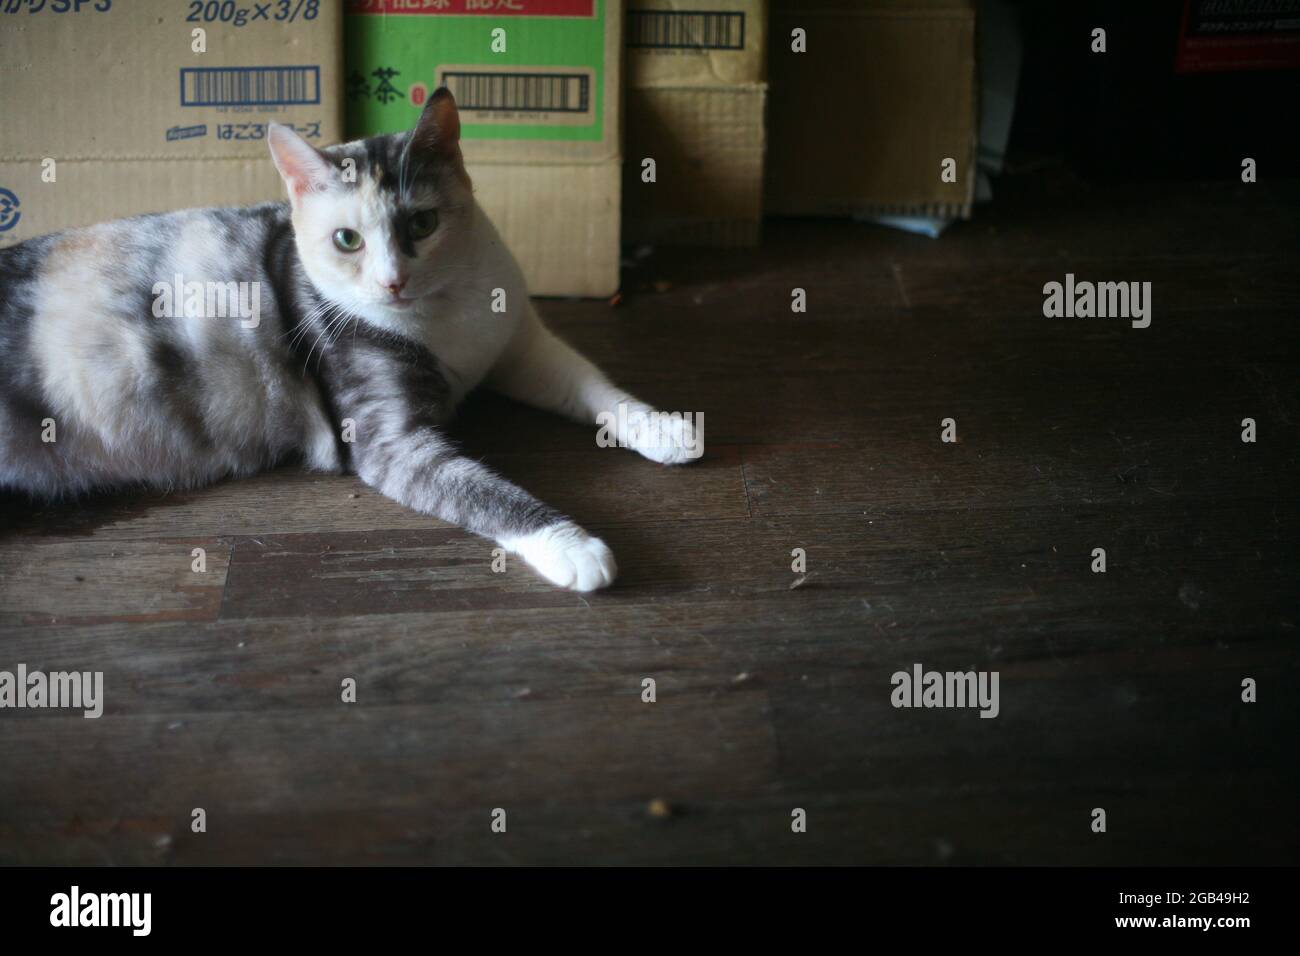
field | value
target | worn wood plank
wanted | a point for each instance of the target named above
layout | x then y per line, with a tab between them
1183	586
92	582
344	759
1026	455
1178	284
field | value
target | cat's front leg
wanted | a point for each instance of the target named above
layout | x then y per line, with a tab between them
421	470
541	370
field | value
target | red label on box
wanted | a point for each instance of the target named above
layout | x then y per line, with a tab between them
495	8
1246	35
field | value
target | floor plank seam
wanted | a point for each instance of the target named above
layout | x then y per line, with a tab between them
897	271
744	482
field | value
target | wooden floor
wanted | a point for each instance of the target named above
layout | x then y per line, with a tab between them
478	690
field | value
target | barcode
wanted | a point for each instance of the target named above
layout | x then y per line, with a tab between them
520	92
250	86
686	29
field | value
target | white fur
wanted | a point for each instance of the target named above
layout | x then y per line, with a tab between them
663	439
541	370
567	556
97	375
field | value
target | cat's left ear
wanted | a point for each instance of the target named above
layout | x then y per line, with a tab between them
438	129
302	166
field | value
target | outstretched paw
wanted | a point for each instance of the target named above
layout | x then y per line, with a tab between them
668	438
566	555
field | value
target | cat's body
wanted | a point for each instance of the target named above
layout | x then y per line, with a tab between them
168	401
350	358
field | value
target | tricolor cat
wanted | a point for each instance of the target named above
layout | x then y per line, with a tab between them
374	287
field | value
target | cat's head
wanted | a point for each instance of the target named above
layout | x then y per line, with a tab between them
381	223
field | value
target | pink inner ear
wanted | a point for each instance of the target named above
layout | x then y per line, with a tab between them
308	173
301	184
301	166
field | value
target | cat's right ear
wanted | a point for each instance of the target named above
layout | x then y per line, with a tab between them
302	166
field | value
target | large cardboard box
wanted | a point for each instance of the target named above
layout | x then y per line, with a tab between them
109	109
538	85
697	90
864	119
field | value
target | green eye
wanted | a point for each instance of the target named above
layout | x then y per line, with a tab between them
421	224
348	240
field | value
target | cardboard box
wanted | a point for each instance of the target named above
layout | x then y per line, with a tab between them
697	92
675	43
538	86
1214	37
108	110
863	120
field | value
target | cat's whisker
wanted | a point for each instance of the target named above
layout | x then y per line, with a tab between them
305	324
337	325
332	313
341	325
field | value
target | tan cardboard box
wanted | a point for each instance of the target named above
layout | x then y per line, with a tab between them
110	109
697	91
864	119
538	83
675	43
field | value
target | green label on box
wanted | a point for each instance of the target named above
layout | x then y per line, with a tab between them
528	69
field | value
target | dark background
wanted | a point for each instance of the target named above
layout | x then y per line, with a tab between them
1127	116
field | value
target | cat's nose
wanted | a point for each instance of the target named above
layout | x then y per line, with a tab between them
395	286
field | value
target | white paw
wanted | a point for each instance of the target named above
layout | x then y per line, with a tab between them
566	555
668	438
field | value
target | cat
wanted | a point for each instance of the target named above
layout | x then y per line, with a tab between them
371	303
